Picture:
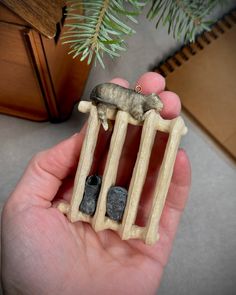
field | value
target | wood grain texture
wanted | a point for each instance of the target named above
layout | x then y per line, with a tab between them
6	15
47	81
20	93
41	15
68	75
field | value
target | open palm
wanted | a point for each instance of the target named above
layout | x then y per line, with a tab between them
43	253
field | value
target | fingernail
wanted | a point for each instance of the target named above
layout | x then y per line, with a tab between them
74	135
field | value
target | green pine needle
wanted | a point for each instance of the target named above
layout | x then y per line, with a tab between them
96	28
101	28
184	18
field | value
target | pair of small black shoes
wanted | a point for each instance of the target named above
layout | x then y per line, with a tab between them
116	198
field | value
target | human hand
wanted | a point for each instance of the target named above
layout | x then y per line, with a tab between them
43	253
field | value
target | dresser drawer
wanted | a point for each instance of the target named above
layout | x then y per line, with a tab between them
20	93
38	79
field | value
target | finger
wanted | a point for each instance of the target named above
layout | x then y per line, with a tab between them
121	82
151	82
45	172
180	183
172	105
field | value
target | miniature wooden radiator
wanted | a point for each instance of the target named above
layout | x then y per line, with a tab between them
99	221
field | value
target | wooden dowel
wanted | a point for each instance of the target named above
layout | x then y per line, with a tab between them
110	172
63	207
163	181
161	124
139	174
85	163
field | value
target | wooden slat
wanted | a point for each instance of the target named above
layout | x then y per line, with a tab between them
24	98
42	15
161	124
85	163
110	172
139	174
111	224
163	181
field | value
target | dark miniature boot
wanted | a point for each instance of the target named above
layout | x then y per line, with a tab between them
116	201
92	189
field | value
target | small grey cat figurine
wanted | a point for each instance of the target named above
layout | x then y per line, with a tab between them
128	100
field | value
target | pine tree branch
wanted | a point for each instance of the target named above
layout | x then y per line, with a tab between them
188	13
94	40
184	17
96	28
101	28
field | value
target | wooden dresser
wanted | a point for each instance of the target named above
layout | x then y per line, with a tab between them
38	79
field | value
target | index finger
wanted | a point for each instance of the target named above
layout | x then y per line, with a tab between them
151	82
